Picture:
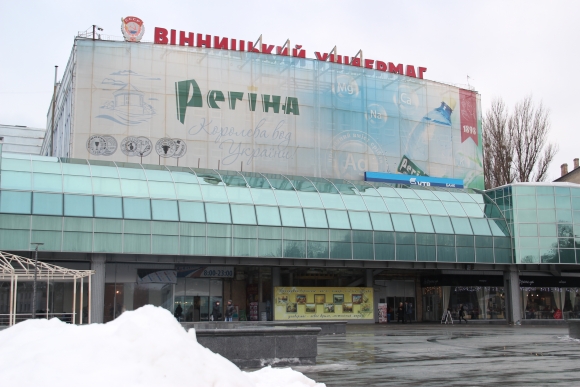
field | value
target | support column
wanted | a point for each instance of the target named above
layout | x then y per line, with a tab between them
276	277
513	309
98	288
369	278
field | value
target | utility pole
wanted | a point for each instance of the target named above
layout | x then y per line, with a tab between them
35	272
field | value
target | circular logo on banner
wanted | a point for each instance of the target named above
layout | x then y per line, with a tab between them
408	101
166	147
132	28
100	145
376	116
353	153
136	146
345	87
180	148
111	145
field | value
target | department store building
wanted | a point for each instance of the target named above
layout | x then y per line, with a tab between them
185	175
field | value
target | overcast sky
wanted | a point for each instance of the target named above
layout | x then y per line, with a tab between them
509	49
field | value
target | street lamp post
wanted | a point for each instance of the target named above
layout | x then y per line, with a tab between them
35	271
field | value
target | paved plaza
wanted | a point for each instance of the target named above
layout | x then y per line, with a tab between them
439	355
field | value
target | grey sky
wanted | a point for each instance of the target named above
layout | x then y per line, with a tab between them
508	48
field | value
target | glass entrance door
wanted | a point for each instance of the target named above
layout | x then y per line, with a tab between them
196	296
432	304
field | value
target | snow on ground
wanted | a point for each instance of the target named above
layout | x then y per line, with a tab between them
146	347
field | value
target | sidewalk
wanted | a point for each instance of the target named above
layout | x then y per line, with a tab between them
447	355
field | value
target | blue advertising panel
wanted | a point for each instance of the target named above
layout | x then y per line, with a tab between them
426	181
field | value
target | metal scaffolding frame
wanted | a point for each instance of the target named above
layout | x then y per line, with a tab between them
16	268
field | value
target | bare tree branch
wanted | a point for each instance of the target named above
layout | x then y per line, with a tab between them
514	146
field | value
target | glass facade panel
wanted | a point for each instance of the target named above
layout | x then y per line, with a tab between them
548	230
480	226
268	216
16	164
375	203
442	225
354	202
546	216
545	202
287	198
106	186
243	214
78	184
422	224
213	193
78	205
461	226
338	219
191	212
315	218
406	193
164	210
47	182
292	217
217	213
137	208
381	221
396	205
527	230
46	166
526	202
108	207
16	180
294	249
454	209
188	191
564	216
473	210
405	253
426	253
264	196
310	199
416	206
332	200
239	195
47	204
161	190
134	188
435	208
402	222
360	220
527	216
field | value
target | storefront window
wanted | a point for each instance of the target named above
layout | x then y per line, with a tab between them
479	303
550	303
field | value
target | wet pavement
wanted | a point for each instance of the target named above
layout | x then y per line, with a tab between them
439	355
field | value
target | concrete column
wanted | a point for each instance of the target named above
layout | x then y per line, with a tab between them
511	280
276	277
369	278
98	287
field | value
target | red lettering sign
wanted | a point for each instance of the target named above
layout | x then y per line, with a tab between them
184	38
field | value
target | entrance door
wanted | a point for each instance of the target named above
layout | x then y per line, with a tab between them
394	292
197	297
432	304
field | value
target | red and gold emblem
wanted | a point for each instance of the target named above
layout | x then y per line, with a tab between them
132	28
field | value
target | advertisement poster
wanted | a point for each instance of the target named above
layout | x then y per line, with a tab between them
229	110
383	313
328	303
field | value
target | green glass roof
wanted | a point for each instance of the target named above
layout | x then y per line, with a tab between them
154	192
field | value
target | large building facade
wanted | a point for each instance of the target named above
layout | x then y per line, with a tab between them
186	175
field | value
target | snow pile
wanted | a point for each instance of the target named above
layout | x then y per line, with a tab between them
146	347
